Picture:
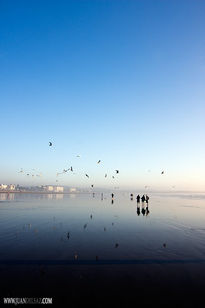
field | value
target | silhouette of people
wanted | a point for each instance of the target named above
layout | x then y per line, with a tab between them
143	198
131	197
147	199
147	210
112	195
138	209
143	209
101	196
138	198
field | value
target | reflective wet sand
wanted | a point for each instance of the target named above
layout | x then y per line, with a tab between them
80	247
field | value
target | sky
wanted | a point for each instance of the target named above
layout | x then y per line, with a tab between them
117	80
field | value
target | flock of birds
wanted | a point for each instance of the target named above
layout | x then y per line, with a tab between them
39	174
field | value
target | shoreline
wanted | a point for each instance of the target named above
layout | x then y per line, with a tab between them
43	192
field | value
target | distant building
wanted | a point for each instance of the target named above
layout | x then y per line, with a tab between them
59	189
73	190
49	188
3	186
11	187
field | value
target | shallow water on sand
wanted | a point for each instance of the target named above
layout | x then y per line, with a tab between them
36	227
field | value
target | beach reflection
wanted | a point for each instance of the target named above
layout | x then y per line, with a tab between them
60	226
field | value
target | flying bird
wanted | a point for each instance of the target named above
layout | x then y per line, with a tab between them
117	171
77	155
162	172
71	168
113	177
99	161
85	226
92	185
87	175
105	175
50	144
116	245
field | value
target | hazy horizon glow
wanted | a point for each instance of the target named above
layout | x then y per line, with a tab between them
121	81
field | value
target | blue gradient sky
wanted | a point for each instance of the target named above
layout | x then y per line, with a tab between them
120	81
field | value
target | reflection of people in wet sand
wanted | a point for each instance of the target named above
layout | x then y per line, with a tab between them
138	198
138	209
147	210
143	209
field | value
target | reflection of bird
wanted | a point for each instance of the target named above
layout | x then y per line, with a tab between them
116	245
85	226
99	161
113	177
87	175
92	185
162	172
50	144
91	216
112	223
68	235
164	245
104	229
105	175
117	171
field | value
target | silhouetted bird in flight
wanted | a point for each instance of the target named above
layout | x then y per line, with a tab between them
68	235
105	175
71	168
77	155
99	161
92	185
85	226
87	175
117	171
113	177
116	245
162	172
50	144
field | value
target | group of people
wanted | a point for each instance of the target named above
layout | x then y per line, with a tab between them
144	198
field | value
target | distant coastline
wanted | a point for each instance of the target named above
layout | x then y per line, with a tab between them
44	192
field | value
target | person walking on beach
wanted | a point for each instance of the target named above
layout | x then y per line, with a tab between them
143	198
147	198
138	198
112	195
